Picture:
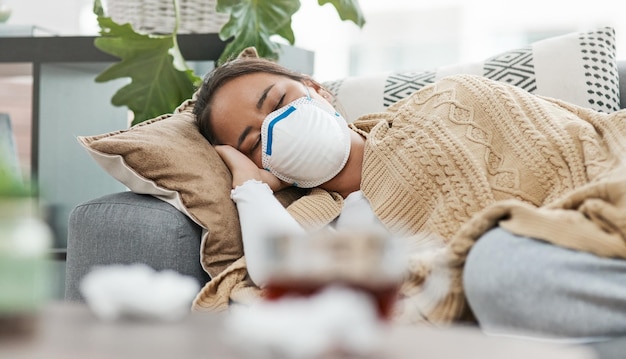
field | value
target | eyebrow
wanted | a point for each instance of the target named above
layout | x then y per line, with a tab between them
259	103
243	136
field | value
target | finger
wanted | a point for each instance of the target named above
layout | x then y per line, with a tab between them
274	182
229	155
240	166
243	169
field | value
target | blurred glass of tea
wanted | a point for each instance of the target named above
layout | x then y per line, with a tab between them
364	260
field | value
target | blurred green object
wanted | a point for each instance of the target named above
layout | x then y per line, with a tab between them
11	182
24	243
25	240
5	12
11	186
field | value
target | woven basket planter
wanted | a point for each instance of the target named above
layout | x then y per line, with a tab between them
158	17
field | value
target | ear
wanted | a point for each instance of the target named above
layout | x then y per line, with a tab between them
248	52
318	88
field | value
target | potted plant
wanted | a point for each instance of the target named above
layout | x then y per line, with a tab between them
160	79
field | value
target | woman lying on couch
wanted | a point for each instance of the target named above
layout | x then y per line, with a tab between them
522	198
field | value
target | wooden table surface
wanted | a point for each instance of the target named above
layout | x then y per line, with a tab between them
72	331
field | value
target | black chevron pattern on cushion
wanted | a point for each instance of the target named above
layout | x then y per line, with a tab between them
514	67
401	85
517	67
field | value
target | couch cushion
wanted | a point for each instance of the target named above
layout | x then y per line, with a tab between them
579	68
126	228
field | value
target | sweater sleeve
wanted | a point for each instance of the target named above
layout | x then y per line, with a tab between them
261	216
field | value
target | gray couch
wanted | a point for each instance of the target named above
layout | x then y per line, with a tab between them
126	228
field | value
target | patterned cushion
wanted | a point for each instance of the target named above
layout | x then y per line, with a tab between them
580	68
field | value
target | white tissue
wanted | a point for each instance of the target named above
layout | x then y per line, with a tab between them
336	319
137	290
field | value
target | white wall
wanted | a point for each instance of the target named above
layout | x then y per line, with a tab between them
443	32
423	33
62	17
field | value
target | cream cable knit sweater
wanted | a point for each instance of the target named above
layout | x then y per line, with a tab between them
461	156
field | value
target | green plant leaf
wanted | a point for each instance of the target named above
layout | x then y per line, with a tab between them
159	80
253	23
347	10
97	8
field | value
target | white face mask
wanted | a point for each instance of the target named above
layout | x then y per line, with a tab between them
305	143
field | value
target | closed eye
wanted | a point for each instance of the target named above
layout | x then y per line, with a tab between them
279	104
256	144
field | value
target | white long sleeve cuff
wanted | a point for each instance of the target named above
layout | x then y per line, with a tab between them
261	217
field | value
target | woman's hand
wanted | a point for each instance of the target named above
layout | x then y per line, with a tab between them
243	169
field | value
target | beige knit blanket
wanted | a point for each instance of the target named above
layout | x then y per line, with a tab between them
461	156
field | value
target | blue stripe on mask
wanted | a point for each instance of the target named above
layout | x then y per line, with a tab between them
270	128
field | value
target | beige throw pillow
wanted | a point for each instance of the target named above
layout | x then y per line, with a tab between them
168	158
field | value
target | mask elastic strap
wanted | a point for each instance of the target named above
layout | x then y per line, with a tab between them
308	94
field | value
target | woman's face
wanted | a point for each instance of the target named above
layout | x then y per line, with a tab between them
240	106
